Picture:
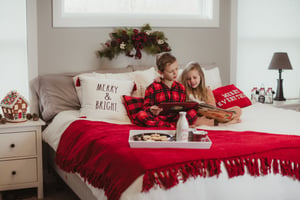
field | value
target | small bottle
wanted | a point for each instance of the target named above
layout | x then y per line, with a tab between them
262	94
182	128
254	95
269	96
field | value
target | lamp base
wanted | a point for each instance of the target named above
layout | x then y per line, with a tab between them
279	99
279	92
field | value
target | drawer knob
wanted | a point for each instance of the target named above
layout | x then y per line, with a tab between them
12	146
13	172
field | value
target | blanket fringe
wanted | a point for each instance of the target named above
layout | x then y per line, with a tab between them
101	181
262	166
171	176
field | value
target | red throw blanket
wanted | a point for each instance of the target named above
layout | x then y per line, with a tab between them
101	154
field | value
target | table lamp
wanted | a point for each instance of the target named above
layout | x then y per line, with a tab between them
280	61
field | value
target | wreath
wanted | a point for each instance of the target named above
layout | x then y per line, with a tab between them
132	41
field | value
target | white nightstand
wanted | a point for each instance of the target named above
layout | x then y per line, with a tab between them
291	104
21	156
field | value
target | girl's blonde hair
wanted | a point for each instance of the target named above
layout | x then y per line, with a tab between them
200	92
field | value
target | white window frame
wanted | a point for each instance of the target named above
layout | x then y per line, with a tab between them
61	19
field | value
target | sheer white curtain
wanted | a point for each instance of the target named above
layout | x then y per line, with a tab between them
13	48
135	12
188	7
265	27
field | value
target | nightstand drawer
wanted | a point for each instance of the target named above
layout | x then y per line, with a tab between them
18	171
17	144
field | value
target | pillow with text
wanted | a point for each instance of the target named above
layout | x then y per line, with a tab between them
141	78
229	96
102	98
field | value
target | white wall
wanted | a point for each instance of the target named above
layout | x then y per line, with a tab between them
13	48
265	27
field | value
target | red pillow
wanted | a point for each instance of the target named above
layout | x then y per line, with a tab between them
229	96
133	105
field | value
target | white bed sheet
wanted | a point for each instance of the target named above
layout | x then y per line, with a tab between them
258	117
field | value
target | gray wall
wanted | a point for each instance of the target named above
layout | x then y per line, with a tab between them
74	49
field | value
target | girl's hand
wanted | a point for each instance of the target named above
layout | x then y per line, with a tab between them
155	110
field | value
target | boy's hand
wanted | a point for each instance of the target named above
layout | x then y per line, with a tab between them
155	110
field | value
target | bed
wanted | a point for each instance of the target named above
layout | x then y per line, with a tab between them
258	158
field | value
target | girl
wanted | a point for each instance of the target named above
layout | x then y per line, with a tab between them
193	79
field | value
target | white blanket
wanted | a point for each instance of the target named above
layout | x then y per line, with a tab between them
258	117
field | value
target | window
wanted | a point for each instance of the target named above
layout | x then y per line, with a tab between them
13	48
114	13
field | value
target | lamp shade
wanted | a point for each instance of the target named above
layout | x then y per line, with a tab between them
280	60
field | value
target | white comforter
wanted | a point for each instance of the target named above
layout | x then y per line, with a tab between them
258	117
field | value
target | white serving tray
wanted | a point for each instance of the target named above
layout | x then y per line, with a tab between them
205	143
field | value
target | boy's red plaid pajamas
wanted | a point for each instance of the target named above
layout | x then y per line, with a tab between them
157	93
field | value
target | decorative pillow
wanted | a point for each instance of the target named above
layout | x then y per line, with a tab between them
229	96
133	105
141	78
78	84
102	98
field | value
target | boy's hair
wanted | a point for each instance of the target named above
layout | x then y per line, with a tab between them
201	91
164	59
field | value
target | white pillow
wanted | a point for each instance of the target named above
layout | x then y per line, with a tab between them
141	78
179	75
102	98
78	85
212	77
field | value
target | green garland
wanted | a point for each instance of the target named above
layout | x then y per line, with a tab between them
131	41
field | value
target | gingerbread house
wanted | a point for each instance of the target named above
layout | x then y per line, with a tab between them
14	107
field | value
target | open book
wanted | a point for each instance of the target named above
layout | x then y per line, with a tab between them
212	112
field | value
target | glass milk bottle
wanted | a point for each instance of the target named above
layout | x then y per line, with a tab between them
182	128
